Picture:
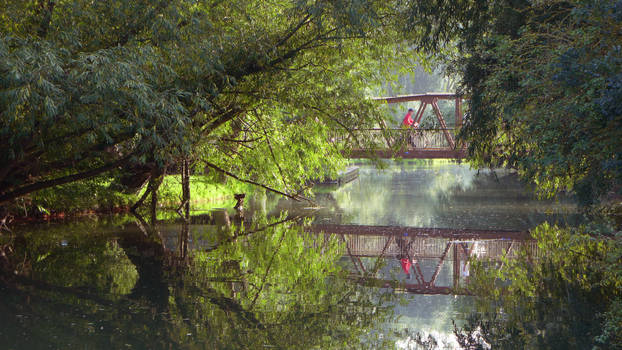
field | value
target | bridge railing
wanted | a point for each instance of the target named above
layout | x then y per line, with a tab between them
404	138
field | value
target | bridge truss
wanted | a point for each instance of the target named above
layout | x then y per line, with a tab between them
418	142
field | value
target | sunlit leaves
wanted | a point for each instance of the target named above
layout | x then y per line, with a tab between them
162	80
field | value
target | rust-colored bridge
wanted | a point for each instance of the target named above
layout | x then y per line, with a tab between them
416	142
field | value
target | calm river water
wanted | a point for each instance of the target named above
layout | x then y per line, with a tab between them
285	274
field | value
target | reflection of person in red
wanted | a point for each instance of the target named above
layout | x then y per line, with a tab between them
404	257
408	120
406	264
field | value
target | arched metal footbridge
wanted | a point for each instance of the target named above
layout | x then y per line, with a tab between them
413	142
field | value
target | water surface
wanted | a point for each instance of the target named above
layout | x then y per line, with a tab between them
263	280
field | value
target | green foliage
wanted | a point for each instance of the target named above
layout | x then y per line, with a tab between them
92	194
97	195
204	193
543	79
612	325
252	87
565	296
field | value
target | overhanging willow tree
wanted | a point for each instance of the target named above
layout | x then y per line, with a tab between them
123	87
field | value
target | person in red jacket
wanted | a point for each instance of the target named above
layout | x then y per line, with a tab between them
407	123
408	120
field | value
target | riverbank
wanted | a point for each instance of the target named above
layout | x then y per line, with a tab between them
98	197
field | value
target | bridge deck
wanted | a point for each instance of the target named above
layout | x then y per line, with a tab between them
424	140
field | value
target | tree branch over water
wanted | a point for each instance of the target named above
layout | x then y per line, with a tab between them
215	167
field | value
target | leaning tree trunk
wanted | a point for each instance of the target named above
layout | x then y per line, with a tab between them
154	185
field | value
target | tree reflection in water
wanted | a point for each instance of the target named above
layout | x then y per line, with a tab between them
83	286
564	298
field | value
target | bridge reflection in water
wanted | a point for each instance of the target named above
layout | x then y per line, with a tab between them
440	257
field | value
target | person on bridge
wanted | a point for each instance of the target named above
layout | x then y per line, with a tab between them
407	123
408	120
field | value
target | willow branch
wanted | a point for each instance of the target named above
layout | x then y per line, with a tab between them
62	180
217	168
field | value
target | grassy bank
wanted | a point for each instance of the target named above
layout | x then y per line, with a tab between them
204	195
97	196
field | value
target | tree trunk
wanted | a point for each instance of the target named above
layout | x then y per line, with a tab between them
185	184
154	184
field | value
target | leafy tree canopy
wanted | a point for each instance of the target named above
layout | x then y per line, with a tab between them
543	80
249	87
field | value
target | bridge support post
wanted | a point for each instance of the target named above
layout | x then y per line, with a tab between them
419	115
456	266
458	113
439	116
